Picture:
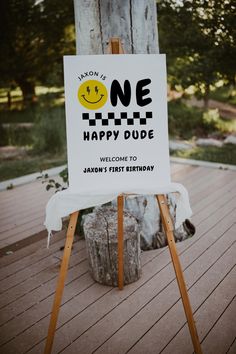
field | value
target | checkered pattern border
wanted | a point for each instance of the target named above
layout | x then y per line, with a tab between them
117	120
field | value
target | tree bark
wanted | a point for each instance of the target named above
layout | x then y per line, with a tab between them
134	22
27	89
100	230
206	96
9	99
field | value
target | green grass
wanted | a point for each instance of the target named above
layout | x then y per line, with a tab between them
47	98
225	154
15	168
46	138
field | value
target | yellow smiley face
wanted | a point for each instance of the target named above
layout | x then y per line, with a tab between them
92	94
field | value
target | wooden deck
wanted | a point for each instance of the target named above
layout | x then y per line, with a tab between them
147	316
22	214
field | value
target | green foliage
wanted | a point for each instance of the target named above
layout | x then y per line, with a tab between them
15	135
29	164
52	184
33	37
3	135
211	118
199	40
64	175
225	94
225	154
186	122
26	115
49	131
46	117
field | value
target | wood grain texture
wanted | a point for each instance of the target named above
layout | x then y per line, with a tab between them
116	22
120	235
134	22
144	27
87	27
113	245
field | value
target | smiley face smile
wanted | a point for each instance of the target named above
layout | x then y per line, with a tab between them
90	101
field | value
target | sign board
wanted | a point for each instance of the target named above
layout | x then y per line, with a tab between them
116	117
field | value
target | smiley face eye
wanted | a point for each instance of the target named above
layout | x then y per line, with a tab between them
96	89
88	89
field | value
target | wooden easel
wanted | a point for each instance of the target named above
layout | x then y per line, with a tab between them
115	47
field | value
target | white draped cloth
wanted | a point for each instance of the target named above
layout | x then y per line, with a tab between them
62	204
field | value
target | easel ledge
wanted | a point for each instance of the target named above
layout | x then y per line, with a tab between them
115	47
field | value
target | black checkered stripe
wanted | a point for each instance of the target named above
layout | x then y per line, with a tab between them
117	121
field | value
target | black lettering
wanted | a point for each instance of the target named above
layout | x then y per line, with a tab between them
135	134
151	134
124	95
94	136
86	135
116	134
126	134
143	134
101	134
109	134
141	92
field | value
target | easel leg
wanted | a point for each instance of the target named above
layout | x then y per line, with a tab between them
115	47
120	207
168	226
61	282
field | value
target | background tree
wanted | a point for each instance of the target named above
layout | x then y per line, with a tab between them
199	39
33	36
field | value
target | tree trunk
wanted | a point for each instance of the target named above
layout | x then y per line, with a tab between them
206	96
100	230
134	22
9	99
28	90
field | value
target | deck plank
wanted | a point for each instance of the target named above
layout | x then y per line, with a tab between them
206	315
232	347
223	333
49	272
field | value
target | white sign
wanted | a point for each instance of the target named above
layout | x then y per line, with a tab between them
116	115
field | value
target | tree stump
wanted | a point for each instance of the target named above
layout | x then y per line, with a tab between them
100	230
